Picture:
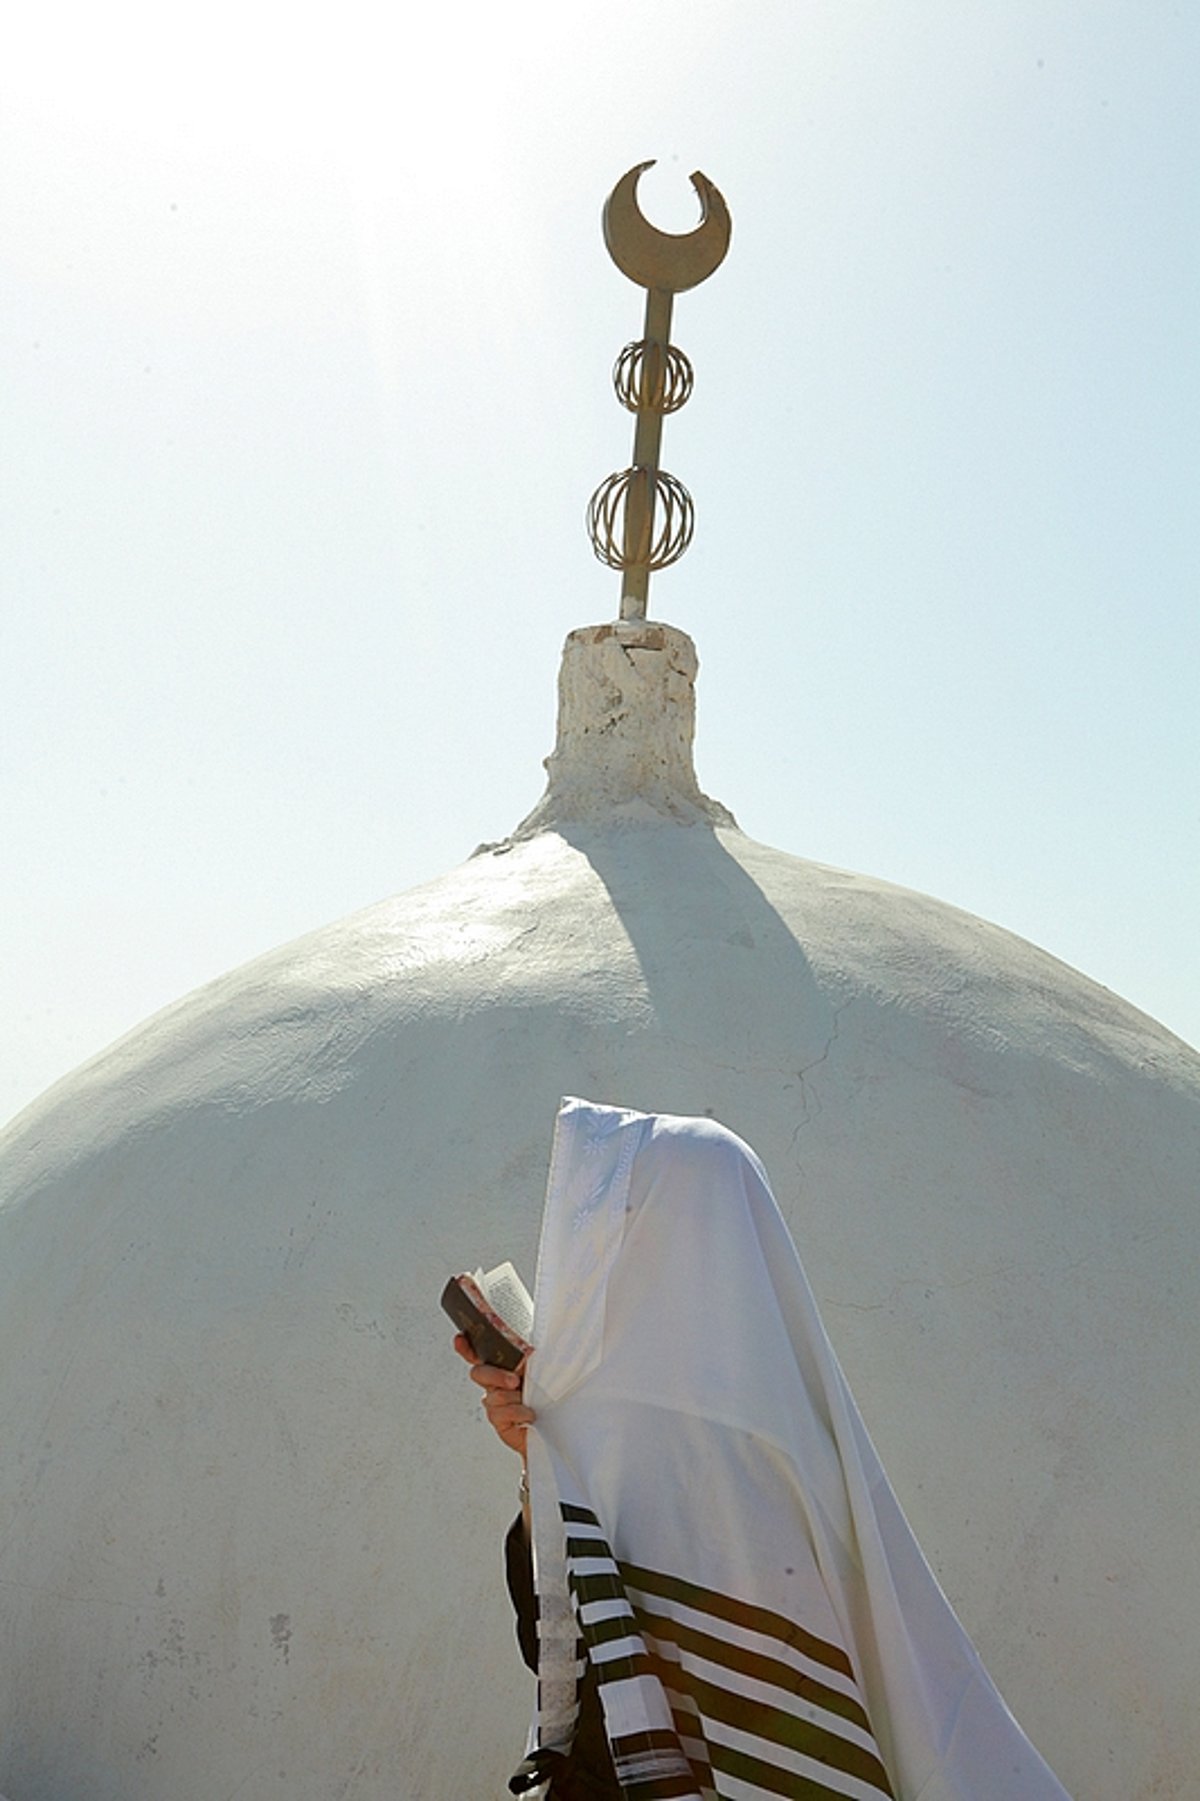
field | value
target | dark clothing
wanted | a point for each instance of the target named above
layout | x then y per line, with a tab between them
587	1773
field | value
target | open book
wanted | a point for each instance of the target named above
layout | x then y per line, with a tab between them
495	1311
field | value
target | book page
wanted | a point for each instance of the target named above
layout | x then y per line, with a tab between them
510	1298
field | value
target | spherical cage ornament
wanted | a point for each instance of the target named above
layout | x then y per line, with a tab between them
673	515
652	377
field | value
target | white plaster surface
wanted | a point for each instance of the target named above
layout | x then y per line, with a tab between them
250	1516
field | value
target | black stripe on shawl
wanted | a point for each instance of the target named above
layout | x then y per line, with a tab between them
652	1766
757	1719
579	1516
772	1725
770	1777
754	1664
646	1749
739	1613
599	1585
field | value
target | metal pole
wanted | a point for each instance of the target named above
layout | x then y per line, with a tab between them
647	442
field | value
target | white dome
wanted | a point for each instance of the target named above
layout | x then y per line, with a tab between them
251	1517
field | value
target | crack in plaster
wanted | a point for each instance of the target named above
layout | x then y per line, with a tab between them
814	1107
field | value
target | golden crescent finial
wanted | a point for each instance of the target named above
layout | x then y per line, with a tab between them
662	259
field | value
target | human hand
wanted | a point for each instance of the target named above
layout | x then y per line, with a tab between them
503	1396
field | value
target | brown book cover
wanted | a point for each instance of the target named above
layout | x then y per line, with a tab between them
475	1305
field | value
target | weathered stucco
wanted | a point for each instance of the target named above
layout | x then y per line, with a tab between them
249	1513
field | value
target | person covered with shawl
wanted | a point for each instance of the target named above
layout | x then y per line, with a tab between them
724	1598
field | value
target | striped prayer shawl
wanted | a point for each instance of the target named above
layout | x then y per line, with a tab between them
712	1529
758	1706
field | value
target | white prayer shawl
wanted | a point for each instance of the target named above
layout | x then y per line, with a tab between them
712	1527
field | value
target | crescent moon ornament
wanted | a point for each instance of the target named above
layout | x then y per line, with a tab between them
652	377
664	259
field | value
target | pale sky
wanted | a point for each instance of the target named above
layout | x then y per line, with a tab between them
308	327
